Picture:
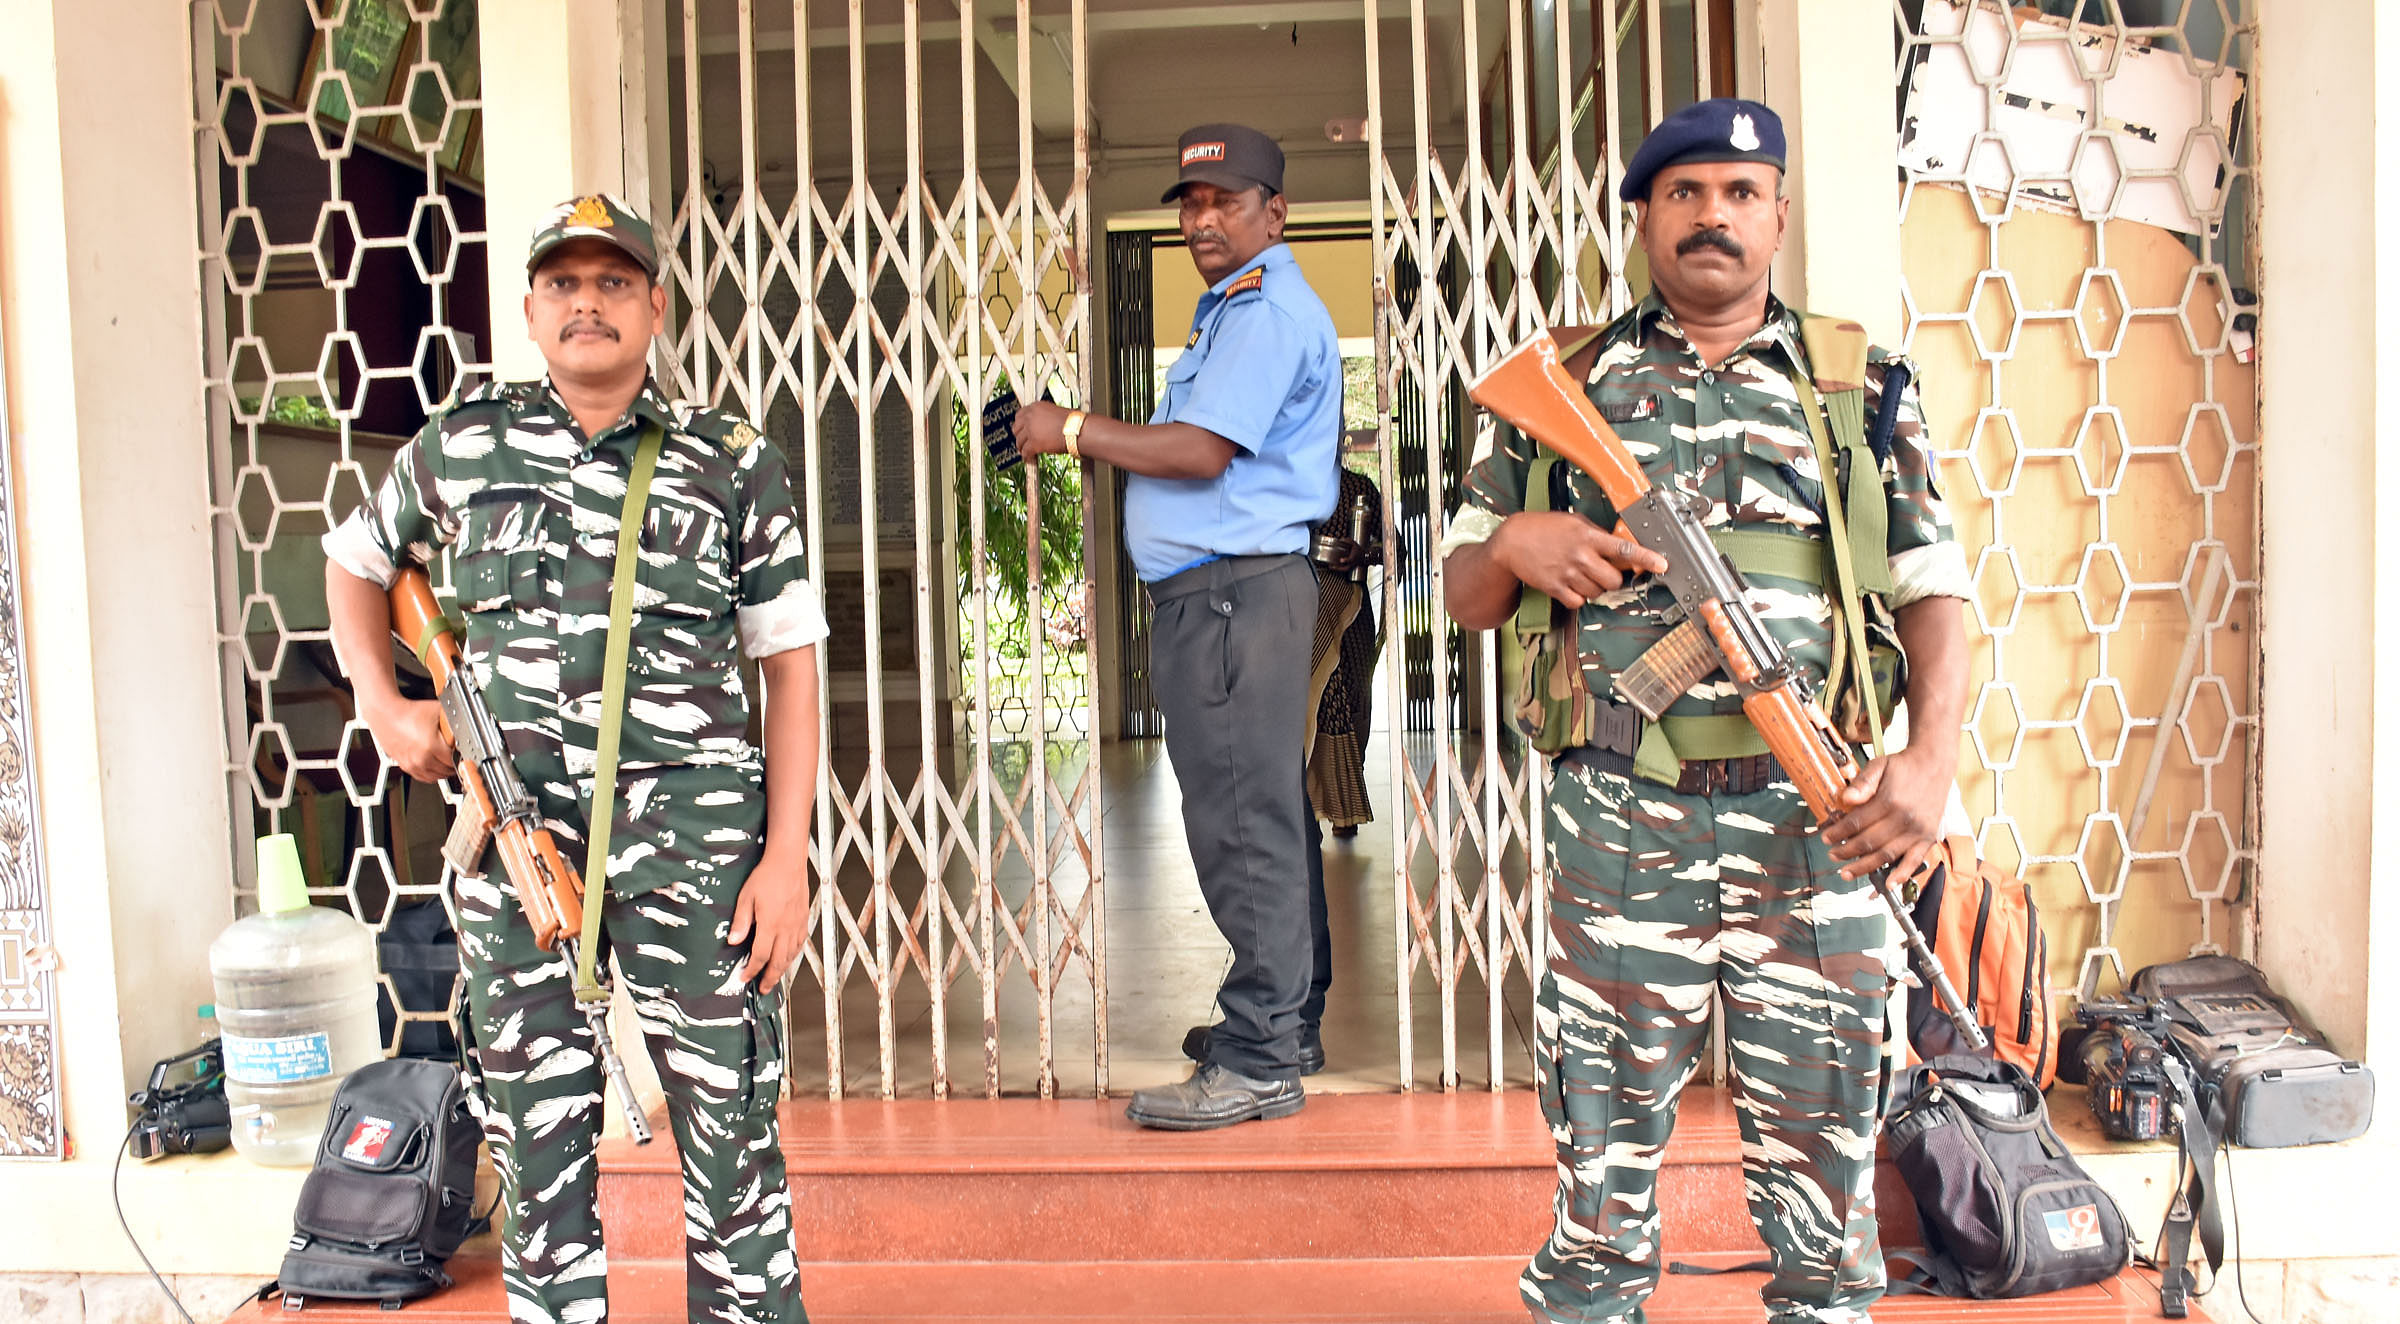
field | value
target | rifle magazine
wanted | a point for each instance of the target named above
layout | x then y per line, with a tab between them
1661	675
470	835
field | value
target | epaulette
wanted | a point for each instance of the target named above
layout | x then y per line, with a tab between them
494	395
1253	279
727	429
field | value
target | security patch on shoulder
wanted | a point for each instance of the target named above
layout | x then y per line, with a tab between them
1254	278
730	431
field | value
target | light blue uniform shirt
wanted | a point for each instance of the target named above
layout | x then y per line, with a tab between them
1262	370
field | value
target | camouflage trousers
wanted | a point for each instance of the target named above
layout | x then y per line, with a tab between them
1657	901
718	1047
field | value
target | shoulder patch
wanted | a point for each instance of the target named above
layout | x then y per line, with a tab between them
728	430
1253	279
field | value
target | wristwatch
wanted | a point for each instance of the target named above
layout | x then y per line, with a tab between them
1072	429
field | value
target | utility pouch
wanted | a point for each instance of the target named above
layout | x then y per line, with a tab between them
1885	662
1549	701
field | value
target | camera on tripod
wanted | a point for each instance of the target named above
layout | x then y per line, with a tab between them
2125	1064
189	1116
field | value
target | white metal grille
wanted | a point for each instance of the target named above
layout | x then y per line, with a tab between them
341	259
1480	240
820	154
2076	221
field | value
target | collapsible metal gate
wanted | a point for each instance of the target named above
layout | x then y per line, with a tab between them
880	216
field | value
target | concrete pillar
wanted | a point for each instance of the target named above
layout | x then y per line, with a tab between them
1828	73
554	127
2328	883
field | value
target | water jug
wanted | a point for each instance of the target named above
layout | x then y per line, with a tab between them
295	1009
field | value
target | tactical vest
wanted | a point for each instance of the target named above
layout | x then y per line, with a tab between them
1557	711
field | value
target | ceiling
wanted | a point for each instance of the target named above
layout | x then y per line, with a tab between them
1152	69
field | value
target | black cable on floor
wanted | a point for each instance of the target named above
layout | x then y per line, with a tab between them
116	1198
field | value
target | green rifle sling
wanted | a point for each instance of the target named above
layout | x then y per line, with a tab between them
612	709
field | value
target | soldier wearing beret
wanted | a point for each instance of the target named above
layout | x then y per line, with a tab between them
704	896
1221	487
1685	867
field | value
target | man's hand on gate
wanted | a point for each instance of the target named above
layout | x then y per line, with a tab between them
772	916
1567	556
409	731
1892	813
1041	428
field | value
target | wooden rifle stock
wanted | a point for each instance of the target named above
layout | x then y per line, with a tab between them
1528	388
548	887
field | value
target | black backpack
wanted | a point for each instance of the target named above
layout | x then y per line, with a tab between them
2005	1209
393	1190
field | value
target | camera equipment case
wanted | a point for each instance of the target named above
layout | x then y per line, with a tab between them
2268	1078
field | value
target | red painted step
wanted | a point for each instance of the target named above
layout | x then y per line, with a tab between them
1351	1175
1362	1207
1479	1290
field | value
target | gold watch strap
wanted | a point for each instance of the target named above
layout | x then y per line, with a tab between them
1071	430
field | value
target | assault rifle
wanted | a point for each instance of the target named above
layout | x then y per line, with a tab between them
1719	629
494	806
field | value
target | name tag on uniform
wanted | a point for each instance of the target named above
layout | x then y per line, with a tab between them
1630	411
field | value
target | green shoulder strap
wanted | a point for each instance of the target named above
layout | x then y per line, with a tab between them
1533	605
612	708
1851	631
1837	361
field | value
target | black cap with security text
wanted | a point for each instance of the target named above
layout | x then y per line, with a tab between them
1230	156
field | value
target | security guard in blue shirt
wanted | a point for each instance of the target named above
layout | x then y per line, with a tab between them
1222	486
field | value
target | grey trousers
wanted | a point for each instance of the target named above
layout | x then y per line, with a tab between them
1229	646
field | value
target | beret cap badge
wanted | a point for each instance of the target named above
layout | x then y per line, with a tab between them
1745	134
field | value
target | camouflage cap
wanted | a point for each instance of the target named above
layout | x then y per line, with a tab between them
594	216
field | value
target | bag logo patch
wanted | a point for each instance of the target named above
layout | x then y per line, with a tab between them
2077	1228
367	1139
1203	152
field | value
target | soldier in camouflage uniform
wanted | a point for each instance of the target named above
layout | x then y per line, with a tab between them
706	896
1664	896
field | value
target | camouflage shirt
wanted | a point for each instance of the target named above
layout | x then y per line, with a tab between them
529	510
1735	435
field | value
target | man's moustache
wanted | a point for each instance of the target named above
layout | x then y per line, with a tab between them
1716	239
602	327
1206	236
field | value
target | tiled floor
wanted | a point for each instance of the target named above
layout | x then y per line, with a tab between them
1164	960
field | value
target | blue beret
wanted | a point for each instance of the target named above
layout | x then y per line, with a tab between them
1719	129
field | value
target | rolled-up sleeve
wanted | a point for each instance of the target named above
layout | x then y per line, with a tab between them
406	520
777	607
1926	560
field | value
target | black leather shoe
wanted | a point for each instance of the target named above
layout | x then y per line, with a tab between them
1214	1096
1311	1055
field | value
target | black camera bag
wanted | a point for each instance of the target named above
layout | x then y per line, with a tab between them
2267	1077
393	1190
2005	1209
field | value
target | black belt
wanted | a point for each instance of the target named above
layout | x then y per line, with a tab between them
1699	776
